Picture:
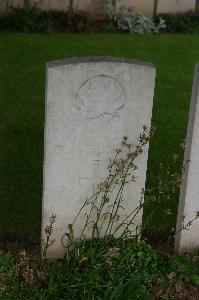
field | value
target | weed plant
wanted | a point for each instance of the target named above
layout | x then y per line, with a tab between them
113	269
100	267
103	267
106	205
106	269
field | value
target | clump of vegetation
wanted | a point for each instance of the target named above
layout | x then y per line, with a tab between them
33	19
104	269
126	21
108	267
101	269
6	262
106	205
185	268
162	196
181	23
30	18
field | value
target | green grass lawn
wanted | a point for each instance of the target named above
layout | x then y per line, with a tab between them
22	85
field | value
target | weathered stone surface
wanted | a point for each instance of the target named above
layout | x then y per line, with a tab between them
98	7
91	103
189	194
175	6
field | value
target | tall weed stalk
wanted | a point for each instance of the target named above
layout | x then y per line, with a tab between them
106	204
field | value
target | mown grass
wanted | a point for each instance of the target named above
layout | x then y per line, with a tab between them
22	85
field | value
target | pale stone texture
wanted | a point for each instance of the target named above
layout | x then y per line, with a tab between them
93	7
97	7
189	194
139	6
175	6
91	103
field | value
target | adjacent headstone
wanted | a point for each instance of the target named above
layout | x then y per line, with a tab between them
91	104
187	228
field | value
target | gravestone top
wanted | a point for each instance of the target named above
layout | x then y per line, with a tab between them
91	104
78	60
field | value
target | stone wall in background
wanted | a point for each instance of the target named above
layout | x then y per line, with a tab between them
96	7
175	6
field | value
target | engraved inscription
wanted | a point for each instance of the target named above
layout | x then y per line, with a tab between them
100	96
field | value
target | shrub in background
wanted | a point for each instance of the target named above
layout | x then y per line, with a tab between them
181	23
30	18
33	19
77	21
126	21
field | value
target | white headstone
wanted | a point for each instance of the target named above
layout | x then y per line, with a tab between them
187	239
91	103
